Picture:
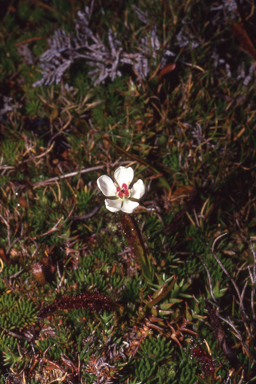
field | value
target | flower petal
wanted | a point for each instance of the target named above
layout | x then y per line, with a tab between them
124	175
138	190
106	186
129	206
113	205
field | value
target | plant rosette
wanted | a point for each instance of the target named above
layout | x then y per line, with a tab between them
120	197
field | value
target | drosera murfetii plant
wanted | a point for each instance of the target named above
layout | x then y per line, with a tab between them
93	295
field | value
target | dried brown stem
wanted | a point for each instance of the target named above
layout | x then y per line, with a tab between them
72	174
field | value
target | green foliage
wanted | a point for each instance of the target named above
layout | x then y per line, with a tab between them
187	127
154	352
16	314
186	370
157	350
107	321
132	289
88	279
7	271
10	150
116	281
86	351
54	349
33	107
83	199
9	349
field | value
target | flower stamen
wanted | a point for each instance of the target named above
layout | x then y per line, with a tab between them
122	192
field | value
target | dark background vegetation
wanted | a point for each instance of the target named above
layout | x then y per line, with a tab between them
178	105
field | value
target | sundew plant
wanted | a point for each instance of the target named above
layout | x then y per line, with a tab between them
127	192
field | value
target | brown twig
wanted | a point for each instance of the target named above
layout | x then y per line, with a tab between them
248	31
72	174
29	40
210	284
87	215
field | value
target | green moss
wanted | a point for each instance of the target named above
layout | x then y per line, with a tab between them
187	128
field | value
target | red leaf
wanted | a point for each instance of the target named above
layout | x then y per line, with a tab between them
168	68
244	39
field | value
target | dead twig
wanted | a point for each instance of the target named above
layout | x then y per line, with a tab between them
72	174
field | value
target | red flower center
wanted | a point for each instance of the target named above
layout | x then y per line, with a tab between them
122	192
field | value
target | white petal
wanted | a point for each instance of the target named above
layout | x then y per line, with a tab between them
129	206
124	175
138	190
113	205
106	186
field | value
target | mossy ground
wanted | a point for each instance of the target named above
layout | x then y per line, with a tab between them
188	130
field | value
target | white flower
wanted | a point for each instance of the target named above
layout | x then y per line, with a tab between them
119	192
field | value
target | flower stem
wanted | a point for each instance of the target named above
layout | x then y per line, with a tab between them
134	237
